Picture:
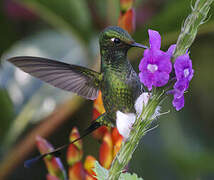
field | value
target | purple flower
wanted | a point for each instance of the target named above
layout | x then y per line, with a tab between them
179	87
184	74
155	66
183	67
178	103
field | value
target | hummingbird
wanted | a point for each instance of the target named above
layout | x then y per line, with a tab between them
118	82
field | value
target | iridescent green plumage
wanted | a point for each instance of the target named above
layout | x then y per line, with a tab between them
120	85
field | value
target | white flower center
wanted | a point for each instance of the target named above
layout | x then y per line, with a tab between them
152	67
186	72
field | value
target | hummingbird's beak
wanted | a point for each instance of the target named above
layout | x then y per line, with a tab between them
138	45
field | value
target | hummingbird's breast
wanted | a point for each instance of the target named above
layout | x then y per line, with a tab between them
120	89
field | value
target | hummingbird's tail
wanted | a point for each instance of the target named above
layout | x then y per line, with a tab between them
56	152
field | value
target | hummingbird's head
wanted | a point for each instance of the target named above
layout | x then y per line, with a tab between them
116	38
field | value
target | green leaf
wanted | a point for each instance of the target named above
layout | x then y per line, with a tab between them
128	176
101	172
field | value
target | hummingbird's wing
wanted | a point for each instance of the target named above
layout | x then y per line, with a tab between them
77	79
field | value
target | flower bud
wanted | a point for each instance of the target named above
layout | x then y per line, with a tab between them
89	164
53	164
75	135
126	5
76	172
127	20
117	141
99	109
50	177
73	154
106	151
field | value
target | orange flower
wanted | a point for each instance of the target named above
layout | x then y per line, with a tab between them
117	141
53	164
106	151
50	177
127	20
125	5
90	177
99	109
110	146
76	172
74	135
89	165
111	143
127	16
74	156
74	152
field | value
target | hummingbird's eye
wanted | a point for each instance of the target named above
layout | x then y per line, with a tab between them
115	40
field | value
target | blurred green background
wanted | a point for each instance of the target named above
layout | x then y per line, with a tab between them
182	147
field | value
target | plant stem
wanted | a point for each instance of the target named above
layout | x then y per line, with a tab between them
125	154
190	27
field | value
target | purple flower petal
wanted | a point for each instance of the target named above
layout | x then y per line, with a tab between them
160	79
171	49
145	60
178	103
164	63
147	79
191	75
183	67
184	73
158	55
154	39
179	88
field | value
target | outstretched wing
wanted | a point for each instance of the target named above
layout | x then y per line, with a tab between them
77	79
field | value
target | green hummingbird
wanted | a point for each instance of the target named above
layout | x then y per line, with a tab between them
117	80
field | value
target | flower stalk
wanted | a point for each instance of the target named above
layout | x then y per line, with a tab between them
197	17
